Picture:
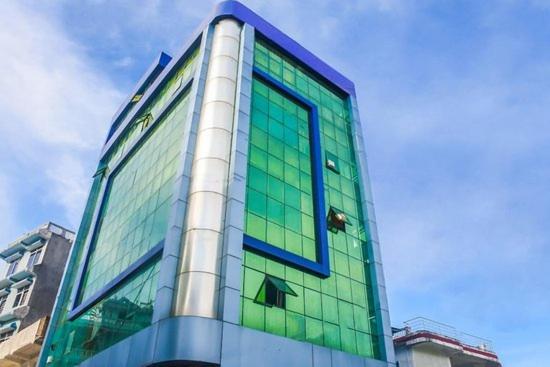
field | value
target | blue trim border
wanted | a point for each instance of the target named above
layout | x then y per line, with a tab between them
321	267
149	256
236	10
150	87
148	78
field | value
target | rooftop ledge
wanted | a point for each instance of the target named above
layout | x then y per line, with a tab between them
34	239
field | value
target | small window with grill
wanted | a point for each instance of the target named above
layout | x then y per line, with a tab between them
34	258
3	300
21	296
12	267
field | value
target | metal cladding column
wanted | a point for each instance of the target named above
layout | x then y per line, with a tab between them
199	272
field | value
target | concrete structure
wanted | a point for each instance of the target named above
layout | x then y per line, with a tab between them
230	221
36	261
426	343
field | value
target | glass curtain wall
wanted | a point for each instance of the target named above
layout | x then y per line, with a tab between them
338	311
139	178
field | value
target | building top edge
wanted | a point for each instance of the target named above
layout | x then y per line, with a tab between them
40	232
237	10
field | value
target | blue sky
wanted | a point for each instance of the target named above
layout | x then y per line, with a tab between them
454	96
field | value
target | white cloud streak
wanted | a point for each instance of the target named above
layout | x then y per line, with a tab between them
55	110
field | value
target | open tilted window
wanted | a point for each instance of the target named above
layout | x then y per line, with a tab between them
273	292
337	220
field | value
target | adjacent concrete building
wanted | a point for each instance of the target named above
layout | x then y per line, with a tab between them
427	343
230	220
35	264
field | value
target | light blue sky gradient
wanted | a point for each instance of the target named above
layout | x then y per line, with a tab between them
455	97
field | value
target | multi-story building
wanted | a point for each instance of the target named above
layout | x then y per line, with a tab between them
230	221
423	342
35	264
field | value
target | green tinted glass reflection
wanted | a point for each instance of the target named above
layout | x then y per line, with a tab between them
127	310
338	312
136	206
275	191
134	220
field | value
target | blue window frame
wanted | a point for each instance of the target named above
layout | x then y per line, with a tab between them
321	267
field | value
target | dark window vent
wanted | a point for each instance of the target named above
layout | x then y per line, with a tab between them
337	220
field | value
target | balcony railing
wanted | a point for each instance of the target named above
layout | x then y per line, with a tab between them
421	324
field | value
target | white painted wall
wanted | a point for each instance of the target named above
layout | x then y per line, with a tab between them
426	358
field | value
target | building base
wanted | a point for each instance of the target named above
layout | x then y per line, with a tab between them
203	342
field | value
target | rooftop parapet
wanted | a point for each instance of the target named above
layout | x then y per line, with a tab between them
33	239
420	330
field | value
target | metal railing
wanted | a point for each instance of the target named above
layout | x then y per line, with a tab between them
419	324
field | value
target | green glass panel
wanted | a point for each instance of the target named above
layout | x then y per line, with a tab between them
275	211
343	287
292	196
341	262
257	202
295	325
293	220
294	275
313	304
331	333
275	234
338	312
312	282
260	119
347	337
253	314
275	268
276	147
345	314
254	261
258	158
276	189
275	320
257	179
296	302
314	331
309	249
124	312
308	226
256	226
275	167
253	282
358	293
364	344
360	316
330	308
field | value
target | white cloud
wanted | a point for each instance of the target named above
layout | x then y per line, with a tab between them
55	109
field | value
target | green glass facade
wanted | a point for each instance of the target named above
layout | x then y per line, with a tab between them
279	189
136	204
138	180
166	249
338	311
